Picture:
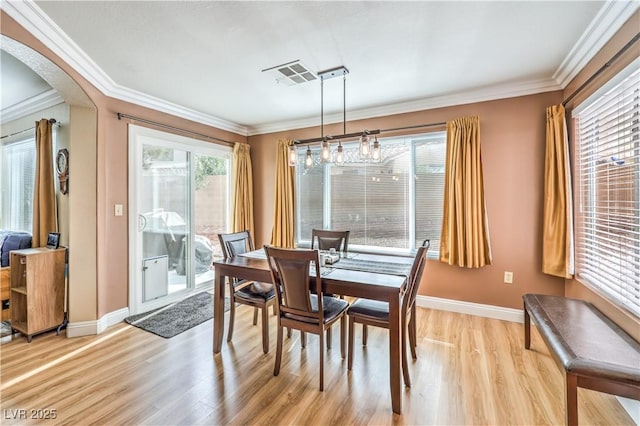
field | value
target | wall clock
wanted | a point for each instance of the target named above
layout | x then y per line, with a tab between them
62	167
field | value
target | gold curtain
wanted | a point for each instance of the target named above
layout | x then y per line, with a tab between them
465	233
557	226
242	218
44	197
282	234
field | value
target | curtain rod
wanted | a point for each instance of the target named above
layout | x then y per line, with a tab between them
51	120
601	69
368	132
178	129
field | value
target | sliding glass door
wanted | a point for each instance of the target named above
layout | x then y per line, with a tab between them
179	203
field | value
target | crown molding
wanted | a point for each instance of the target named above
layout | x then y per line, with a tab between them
606	23
29	106
34	20
480	95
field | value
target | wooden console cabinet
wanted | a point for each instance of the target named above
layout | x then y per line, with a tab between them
37	290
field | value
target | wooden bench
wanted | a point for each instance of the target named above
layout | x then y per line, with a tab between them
594	352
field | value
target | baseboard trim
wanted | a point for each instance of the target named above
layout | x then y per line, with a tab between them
88	328
632	407
82	328
112	318
478	309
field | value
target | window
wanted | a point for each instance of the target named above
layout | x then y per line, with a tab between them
17	180
608	185
391	205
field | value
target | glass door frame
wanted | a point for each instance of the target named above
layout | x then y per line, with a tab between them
137	134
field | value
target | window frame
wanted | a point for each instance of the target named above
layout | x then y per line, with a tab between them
587	206
413	140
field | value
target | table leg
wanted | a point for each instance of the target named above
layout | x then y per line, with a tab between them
394	354
218	311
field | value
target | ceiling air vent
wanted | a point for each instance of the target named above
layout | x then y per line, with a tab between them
291	73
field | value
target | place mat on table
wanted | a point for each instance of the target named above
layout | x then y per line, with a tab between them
389	268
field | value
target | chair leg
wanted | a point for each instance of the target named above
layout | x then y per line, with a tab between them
255	316
289	332
343	334
329	338
276	368
265	329
275	309
405	364
364	335
303	339
321	350
351	337
232	317
413	334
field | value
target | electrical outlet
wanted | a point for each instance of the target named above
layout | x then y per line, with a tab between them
508	277
117	211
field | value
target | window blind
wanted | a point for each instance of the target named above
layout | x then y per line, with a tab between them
608	168
17	183
392	204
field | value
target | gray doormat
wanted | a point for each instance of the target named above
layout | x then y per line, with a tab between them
174	319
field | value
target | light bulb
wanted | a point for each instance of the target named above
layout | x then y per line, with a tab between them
364	146
326	152
292	155
339	155
308	161
375	153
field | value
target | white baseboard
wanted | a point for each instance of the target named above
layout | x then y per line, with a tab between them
632	407
112	318
88	328
478	309
82	328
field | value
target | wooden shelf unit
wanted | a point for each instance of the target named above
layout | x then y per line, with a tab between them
37	290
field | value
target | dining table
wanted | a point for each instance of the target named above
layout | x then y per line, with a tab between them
362	275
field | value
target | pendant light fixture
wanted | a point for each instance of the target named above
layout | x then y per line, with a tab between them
375	151
365	149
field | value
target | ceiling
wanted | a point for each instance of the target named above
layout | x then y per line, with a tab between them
207	57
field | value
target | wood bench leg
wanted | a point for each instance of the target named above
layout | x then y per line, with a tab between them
571	397
527	329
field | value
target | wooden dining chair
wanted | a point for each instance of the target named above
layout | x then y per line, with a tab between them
376	313
298	307
328	239
258	295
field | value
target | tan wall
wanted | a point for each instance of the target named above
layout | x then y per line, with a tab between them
82	215
574	288
513	145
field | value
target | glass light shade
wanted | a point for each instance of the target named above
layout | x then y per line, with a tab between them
375	152
339	155
308	161
365	149
292	156
326	152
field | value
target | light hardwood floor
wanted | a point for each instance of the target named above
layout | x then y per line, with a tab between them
470	370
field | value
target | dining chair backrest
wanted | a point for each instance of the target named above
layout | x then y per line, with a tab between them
291	279
235	243
328	239
409	298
